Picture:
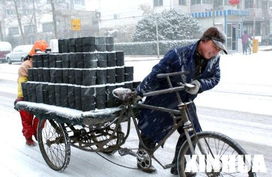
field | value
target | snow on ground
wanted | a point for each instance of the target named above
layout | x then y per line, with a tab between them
248	79
245	86
245	79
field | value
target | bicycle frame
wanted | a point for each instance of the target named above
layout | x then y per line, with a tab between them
180	116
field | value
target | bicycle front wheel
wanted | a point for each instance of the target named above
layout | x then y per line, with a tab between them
211	151
54	144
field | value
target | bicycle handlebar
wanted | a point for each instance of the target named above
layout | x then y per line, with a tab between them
163	75
169	90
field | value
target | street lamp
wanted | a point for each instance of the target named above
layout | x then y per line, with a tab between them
213	9
157	37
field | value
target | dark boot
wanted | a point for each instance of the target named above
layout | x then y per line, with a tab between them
174	169
30	142
150	144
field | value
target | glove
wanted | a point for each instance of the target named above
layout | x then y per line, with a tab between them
17	99
137	98
124	94
27	57
194	90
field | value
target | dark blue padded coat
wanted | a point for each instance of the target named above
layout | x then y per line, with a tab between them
156	124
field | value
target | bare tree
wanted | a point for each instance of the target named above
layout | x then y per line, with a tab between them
147	10
34	16
3	3
54	18
19	20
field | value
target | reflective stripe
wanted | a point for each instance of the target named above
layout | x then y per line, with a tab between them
20	81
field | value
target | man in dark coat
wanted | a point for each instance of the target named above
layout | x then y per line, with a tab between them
201	61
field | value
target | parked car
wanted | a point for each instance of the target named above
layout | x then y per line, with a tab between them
5	48
18	53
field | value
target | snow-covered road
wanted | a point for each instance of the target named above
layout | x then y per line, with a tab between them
239	107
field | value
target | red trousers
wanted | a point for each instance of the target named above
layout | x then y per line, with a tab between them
29	123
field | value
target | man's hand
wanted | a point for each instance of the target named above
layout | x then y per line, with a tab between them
193	90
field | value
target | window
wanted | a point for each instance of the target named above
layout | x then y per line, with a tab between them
79	2
218	3
115	16
249	4
264	5
56	1
26	11
158	3
26	1
47	27
207	1
29	28
10	12
182	2
13	30
194	2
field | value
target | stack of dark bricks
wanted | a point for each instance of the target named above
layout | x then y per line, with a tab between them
81	76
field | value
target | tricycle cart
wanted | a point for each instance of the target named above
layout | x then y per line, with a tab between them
59	128
102	130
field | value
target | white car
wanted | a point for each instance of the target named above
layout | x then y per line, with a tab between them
18	53
5	48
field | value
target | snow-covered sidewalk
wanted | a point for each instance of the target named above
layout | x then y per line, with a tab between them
245	85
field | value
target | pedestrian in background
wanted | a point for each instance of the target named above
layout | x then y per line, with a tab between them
246	43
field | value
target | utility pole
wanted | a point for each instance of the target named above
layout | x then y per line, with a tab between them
157	36
1	32
213	12
71	4
254	18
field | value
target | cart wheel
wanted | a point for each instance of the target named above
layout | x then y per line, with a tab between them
54	144
114	137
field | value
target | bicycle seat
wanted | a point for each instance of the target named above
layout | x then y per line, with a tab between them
124	94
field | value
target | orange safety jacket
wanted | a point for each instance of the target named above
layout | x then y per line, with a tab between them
23	76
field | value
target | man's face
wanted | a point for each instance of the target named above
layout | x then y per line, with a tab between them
208	49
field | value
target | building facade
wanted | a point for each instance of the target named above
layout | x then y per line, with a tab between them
232	16
24	21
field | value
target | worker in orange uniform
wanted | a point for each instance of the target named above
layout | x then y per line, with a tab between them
29	122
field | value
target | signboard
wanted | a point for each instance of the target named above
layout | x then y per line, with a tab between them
234	2
75	24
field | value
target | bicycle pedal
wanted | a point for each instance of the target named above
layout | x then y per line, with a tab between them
126	151
171	165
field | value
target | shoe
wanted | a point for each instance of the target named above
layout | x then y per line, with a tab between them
190	174
174	171
35	136
30	142
147	170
